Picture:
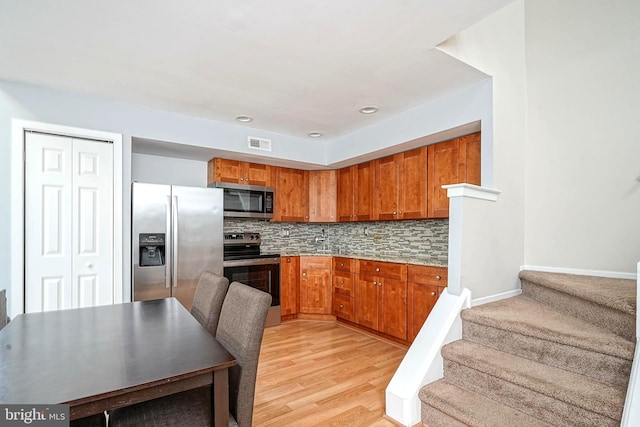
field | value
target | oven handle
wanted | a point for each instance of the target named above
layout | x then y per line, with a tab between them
249	262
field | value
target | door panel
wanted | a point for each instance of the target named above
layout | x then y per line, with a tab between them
93	223
48	222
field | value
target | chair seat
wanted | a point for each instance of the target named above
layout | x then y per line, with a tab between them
191	408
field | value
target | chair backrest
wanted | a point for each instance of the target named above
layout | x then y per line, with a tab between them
3	308
208	299
240	331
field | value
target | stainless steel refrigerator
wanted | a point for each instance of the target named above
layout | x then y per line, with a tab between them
176	235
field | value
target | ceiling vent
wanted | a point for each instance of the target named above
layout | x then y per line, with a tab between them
259	143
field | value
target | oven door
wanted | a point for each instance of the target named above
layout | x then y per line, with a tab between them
262	274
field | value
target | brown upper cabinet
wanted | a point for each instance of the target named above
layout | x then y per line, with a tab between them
292	195
356	192
451	162
234	171
401	185
322	196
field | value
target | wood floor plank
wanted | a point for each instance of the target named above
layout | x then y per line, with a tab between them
322	373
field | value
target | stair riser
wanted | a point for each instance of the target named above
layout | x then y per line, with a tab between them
546	408
605	368
620	323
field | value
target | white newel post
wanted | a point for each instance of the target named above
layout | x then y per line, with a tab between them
456	194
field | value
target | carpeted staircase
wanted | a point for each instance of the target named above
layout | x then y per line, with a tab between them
560	354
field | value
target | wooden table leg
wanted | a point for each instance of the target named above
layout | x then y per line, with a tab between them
220	398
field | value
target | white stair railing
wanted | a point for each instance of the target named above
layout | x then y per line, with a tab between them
631	414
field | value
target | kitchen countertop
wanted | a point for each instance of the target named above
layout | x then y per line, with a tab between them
381	257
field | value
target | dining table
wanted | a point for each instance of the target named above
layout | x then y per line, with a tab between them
99	358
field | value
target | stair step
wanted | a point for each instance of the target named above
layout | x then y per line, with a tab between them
446	405
551	394
528	329
606	302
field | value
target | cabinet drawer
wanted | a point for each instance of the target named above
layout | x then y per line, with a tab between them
390	270
343	264
343	283
426	274
343	307
315	262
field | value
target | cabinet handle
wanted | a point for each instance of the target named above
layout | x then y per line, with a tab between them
438	277
433	294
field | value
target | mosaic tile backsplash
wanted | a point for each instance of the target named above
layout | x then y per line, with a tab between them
419	242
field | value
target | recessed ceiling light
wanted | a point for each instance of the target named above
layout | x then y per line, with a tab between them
368	109
314	134
244	119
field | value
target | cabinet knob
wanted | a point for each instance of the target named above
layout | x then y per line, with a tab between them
342	264
438	277
241	179
433	294
341	305
246	179
399	212
377	269
288	259
375	283
342	282
304	274
394	212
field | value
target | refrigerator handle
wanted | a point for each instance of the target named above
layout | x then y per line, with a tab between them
174	240
168	268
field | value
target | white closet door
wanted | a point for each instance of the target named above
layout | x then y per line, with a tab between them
92	223
68	222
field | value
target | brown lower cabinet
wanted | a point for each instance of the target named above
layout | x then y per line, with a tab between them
381	297
289	286
390	298
315	285
425	284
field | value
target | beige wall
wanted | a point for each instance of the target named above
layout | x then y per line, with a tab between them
583	134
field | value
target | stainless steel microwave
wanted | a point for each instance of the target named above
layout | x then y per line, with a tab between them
246	201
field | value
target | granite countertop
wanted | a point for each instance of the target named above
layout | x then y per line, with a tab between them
381	257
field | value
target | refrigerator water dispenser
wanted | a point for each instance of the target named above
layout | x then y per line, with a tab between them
152	249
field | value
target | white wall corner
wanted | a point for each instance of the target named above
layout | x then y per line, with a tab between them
423	362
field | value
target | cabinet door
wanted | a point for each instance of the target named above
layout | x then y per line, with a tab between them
421	300
322	196
257	174
393	307
413	189
443	168
289	285
315	291
225	170
387	180
345	193
470	159
367	301
363	191
343	307
292	195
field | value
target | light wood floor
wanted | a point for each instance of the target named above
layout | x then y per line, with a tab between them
317	373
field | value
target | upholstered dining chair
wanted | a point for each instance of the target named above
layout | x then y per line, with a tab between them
208	299
240	331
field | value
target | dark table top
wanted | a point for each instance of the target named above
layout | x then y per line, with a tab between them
68	356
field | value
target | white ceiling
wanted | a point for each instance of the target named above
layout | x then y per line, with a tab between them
295	66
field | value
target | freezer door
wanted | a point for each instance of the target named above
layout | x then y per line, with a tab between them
197	238
151	241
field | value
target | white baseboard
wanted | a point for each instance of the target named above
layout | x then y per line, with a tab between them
496	297
599	273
